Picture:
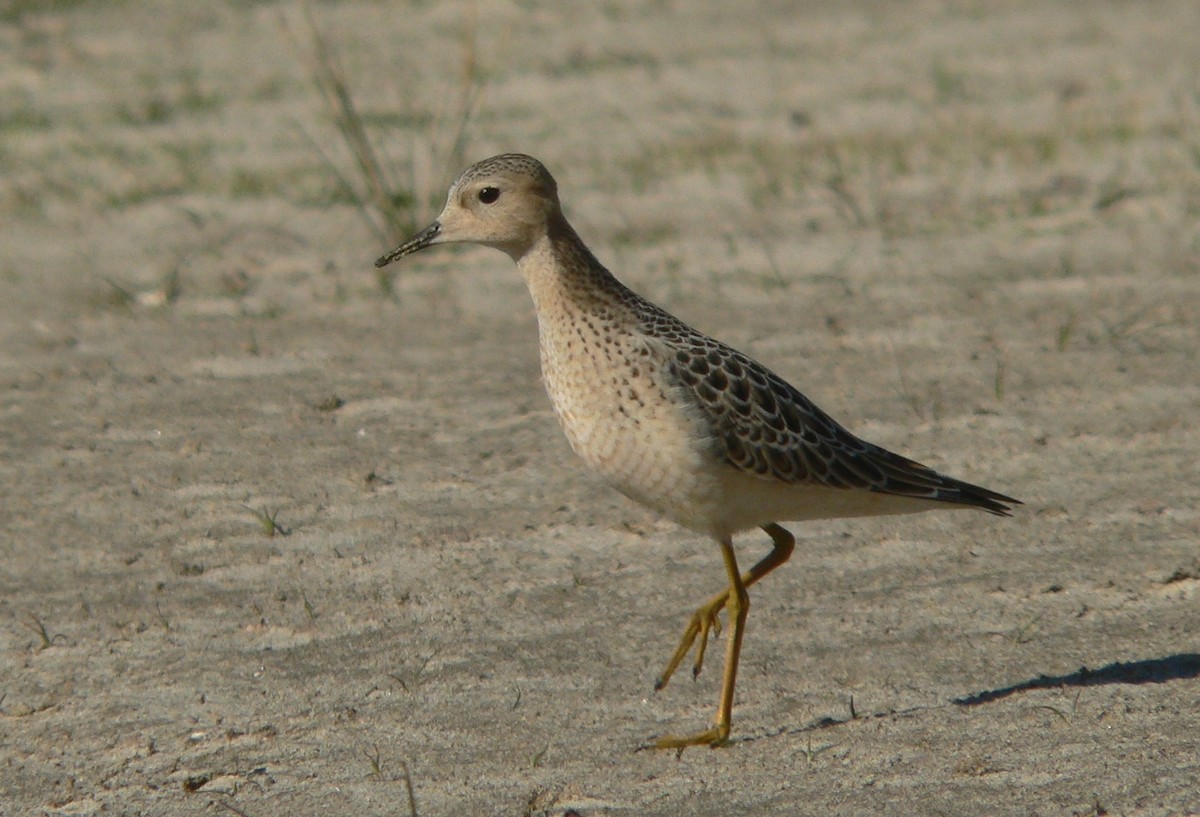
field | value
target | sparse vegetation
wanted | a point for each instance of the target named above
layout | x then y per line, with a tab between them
38	627
270	521
394	198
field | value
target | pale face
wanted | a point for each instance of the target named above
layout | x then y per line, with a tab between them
492	203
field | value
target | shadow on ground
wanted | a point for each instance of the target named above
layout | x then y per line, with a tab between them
1150	671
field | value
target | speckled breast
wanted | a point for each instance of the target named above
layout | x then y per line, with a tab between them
623	417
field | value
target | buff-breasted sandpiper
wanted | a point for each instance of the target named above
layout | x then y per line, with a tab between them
670	417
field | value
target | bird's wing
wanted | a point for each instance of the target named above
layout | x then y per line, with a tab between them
766	427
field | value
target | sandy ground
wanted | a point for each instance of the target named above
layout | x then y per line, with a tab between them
970	231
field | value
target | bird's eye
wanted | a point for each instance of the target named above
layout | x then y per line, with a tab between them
487	195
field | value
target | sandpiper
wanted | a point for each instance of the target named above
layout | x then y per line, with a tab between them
677	421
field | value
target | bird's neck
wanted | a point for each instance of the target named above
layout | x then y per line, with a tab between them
562	273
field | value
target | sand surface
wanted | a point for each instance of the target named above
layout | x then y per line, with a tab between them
970	231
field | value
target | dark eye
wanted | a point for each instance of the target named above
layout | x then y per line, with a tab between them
487	195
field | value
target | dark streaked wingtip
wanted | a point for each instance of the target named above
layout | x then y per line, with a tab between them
907	477
984	499
418	242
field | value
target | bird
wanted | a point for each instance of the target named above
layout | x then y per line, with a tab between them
691	428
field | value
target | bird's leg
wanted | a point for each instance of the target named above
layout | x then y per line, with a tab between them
705	618
738	603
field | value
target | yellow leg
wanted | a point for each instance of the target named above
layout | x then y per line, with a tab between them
705	619
738	604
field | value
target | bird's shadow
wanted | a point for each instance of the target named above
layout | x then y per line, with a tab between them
1148	671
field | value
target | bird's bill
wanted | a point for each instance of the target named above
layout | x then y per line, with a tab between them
418	242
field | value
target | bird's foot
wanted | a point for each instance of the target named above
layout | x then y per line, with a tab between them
715	737
704	621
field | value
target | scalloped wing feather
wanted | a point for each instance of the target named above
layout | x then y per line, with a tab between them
768	428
